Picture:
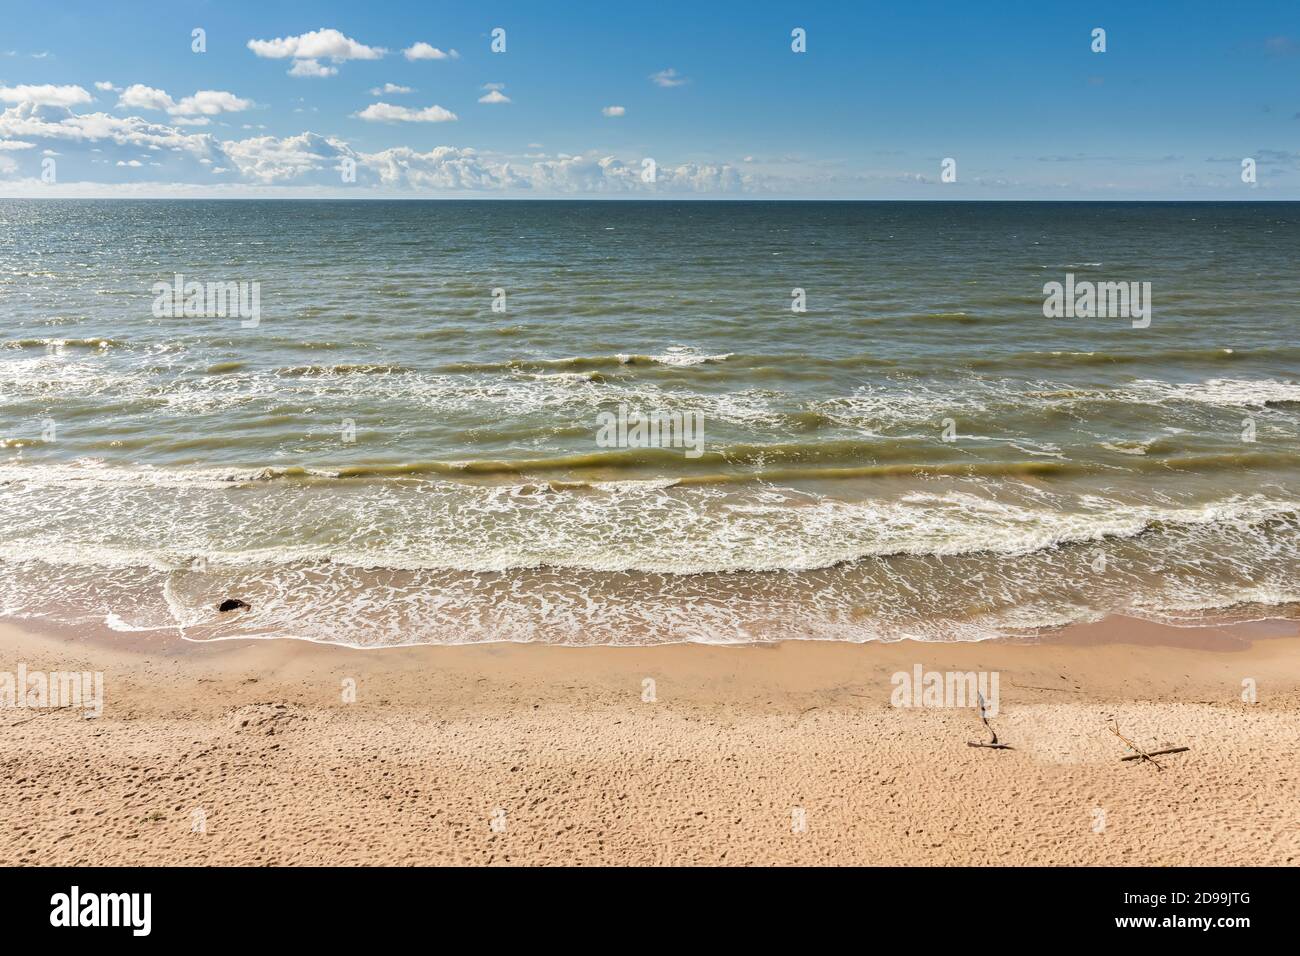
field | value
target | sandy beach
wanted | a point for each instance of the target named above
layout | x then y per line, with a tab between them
253	752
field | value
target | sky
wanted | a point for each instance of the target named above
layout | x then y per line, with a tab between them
640	100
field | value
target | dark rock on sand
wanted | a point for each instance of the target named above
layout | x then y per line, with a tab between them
233	604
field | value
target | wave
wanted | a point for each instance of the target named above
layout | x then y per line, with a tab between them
796	362
588	362
1222	392
225	368
677	525
1063	359
57	343
1178	565
816	461
326	371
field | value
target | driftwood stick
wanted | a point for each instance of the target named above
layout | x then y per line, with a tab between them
1138	752
992	744
1156	753
41	713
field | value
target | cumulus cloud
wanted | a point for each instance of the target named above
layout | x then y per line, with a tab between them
387	113
203	103
271	159
25	122
668	77
424	51
704	178
613	111
445	167
390	88
210	103
104	86
45	95
452	168
265	165
312	68
137	96
310	48
494	95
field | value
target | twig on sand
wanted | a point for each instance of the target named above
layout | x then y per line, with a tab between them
1156	753
1140	754
992	744
40	713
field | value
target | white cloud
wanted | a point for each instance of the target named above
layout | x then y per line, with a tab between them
269	159
137	96
24	121
453	168
613	111
494	96
309	48
445	167
203	103
210	103
423	51
703	178
310	163
668	77
390	88
316	44
312	68
46	95
104	86
387	113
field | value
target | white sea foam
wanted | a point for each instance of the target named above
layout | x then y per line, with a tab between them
155	520
1225	392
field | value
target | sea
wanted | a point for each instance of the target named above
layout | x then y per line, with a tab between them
389	423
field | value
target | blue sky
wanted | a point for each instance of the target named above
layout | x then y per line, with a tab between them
288	96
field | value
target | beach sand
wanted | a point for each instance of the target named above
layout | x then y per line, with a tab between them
530	754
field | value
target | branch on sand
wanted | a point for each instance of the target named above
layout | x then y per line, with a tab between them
992	744
1140	754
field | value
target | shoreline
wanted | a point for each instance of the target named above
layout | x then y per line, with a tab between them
443	742
1219	629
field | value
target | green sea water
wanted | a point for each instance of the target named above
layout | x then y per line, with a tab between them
404	445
